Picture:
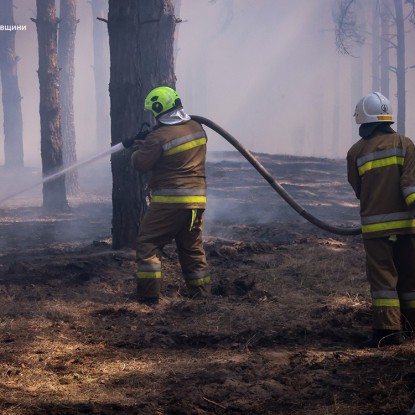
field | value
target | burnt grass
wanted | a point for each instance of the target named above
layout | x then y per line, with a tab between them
279	335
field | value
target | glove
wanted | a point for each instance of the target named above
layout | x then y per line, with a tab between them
142	135
128	142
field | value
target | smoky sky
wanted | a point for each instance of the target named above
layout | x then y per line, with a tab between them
265	70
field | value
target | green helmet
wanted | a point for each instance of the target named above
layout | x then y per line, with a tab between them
162	100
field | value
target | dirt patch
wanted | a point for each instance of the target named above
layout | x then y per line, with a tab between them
290	303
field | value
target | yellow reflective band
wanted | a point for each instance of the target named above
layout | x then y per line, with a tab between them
408	304
194	212
199	281
386	226
186	146
179	199
410	199
148	274
385	117
385	302
380	163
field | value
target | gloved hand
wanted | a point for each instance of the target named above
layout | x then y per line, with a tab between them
128	142
142	134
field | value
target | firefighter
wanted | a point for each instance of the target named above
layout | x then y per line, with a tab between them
175	153
381	170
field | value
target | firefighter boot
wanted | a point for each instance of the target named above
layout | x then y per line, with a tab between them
146	292
382	338
201	291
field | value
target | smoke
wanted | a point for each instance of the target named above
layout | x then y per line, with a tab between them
272	76
267	71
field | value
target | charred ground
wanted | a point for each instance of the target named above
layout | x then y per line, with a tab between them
278	336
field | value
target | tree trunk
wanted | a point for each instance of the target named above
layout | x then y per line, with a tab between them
101	74
177	4
13	123
375	47
385	48
66	55
141	35
54	192
400	66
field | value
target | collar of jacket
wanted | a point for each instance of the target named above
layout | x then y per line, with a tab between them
177	116
368	129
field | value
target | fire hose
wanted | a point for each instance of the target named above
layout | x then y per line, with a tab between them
273	183
146	129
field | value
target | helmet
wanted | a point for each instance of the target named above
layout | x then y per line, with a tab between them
374	107
162	100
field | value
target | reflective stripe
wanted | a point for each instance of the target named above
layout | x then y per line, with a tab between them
384	294
370	165
385	298
149	266
377	155
409	194
407	299
407	296
196	275
198	278
179	196
179	199
385	302
408	304
410	199
179	192
184	143
149	270
381	158
199	281
192	222
385	117
408	190
148	274
387	226
387	217
187	146
388	221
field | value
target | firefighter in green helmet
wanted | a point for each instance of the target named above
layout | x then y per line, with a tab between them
381	170
175	153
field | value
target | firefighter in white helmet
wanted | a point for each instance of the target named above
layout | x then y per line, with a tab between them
175	153
381	170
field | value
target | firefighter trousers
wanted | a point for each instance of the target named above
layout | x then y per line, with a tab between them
390	270
159	227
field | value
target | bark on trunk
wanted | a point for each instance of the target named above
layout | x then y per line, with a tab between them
141	35
177	4
66	55
13	123
101	74
54	192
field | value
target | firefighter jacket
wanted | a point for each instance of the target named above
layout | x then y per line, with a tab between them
381	170
176	156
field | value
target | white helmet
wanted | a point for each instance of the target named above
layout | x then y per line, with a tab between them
374	107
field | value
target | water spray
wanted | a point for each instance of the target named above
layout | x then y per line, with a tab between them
128	142
113	149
